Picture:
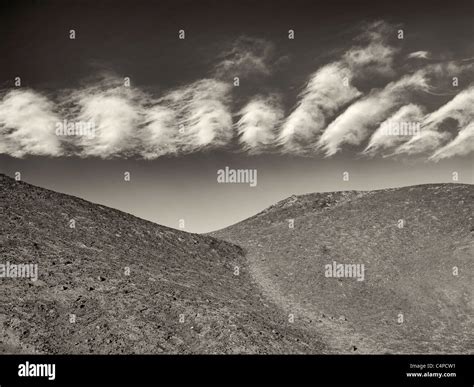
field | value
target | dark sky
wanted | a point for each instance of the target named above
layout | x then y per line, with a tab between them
139	39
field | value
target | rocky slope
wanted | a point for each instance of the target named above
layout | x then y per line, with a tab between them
416	245
112	283
115	283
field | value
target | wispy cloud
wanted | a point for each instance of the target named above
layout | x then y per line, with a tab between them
331	88
188	119
338	106
27	125
353	125
392	131
115	117
419	55
327	90
374	55
203	115
246	57
160	132
462	145
258	122
459	109
427	140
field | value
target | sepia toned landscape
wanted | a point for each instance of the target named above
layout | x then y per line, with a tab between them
236	177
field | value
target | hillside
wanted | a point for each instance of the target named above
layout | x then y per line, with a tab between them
408	270
82	271
182	294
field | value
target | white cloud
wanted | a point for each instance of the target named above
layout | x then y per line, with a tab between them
114	116
354	124
327	90
258	122
128	121
203	116
28	125
462	145
375	58
247	57
330	88
160	134
385	137
459	108
187	119
430	137
374	55
427	140
419	55
197	116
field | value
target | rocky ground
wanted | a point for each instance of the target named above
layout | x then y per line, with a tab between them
113	283
182	294
409	267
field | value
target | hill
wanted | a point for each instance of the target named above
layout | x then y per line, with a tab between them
115	283
415	244
109	282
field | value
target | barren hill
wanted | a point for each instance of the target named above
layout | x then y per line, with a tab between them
109	282
416	245
119	284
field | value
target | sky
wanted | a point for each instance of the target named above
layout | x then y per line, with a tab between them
174	91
